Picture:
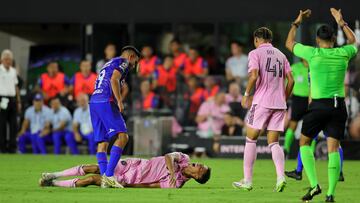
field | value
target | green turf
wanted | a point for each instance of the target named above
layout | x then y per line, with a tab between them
19	176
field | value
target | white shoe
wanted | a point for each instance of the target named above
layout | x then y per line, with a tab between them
280	184
48	176
242	185
110	182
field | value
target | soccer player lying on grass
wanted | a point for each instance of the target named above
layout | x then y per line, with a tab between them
170	171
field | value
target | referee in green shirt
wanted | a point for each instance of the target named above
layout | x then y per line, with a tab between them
327	110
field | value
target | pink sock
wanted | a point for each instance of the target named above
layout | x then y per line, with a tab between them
278	158
65	183
249	159
74	171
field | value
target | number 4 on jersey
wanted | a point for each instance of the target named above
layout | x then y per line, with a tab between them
276	68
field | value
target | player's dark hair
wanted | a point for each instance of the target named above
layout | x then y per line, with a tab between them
176	40
204	178
193	47
240	44
264	33
131	48
325	32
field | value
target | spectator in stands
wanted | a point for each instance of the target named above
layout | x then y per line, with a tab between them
148	63
61	122
230	127
210	117
10	103
84	80
195	96
179	56
165	81
82	126
195	65
233	99
211	88
149	100
236	65
36	125
110	52
53	82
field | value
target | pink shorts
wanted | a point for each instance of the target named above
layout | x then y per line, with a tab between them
260	117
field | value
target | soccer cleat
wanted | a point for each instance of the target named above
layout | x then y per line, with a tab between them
48	176
341	177
294	174
110	182
45	182
329	198
312	192
280	185
242	185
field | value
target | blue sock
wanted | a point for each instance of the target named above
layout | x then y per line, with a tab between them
102	161
341	158
115	155
299	166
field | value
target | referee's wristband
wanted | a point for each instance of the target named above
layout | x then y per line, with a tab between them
342	26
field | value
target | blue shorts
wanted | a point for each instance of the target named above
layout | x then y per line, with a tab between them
106	120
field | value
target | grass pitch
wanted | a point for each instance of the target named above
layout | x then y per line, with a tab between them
19	176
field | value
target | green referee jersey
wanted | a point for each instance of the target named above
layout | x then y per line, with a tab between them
327	68
301	77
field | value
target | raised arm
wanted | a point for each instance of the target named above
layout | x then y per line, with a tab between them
350	35
290	41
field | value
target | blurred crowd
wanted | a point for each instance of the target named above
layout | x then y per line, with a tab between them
55	111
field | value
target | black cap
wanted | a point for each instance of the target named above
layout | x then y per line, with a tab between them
38	97
132	48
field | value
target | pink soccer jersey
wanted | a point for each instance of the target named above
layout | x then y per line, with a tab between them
143	171
273	67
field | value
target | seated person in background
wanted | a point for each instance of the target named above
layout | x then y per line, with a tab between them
170	171
148	63
230	127
149	100
236	65
53	82
179	56
110	52
195	65
165	75
211	88
37	117
82	126
233	99
210	117
195	96
165	81
84	80
61	122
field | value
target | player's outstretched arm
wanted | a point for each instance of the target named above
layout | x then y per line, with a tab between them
350	35
170	158
290	41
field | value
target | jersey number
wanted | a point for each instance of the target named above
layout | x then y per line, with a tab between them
276	69
100	78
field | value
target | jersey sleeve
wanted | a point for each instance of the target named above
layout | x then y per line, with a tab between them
303	51
253	63
350	49
121	66
287	67
203	110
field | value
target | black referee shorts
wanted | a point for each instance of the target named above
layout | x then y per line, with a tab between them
299	107
323	116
